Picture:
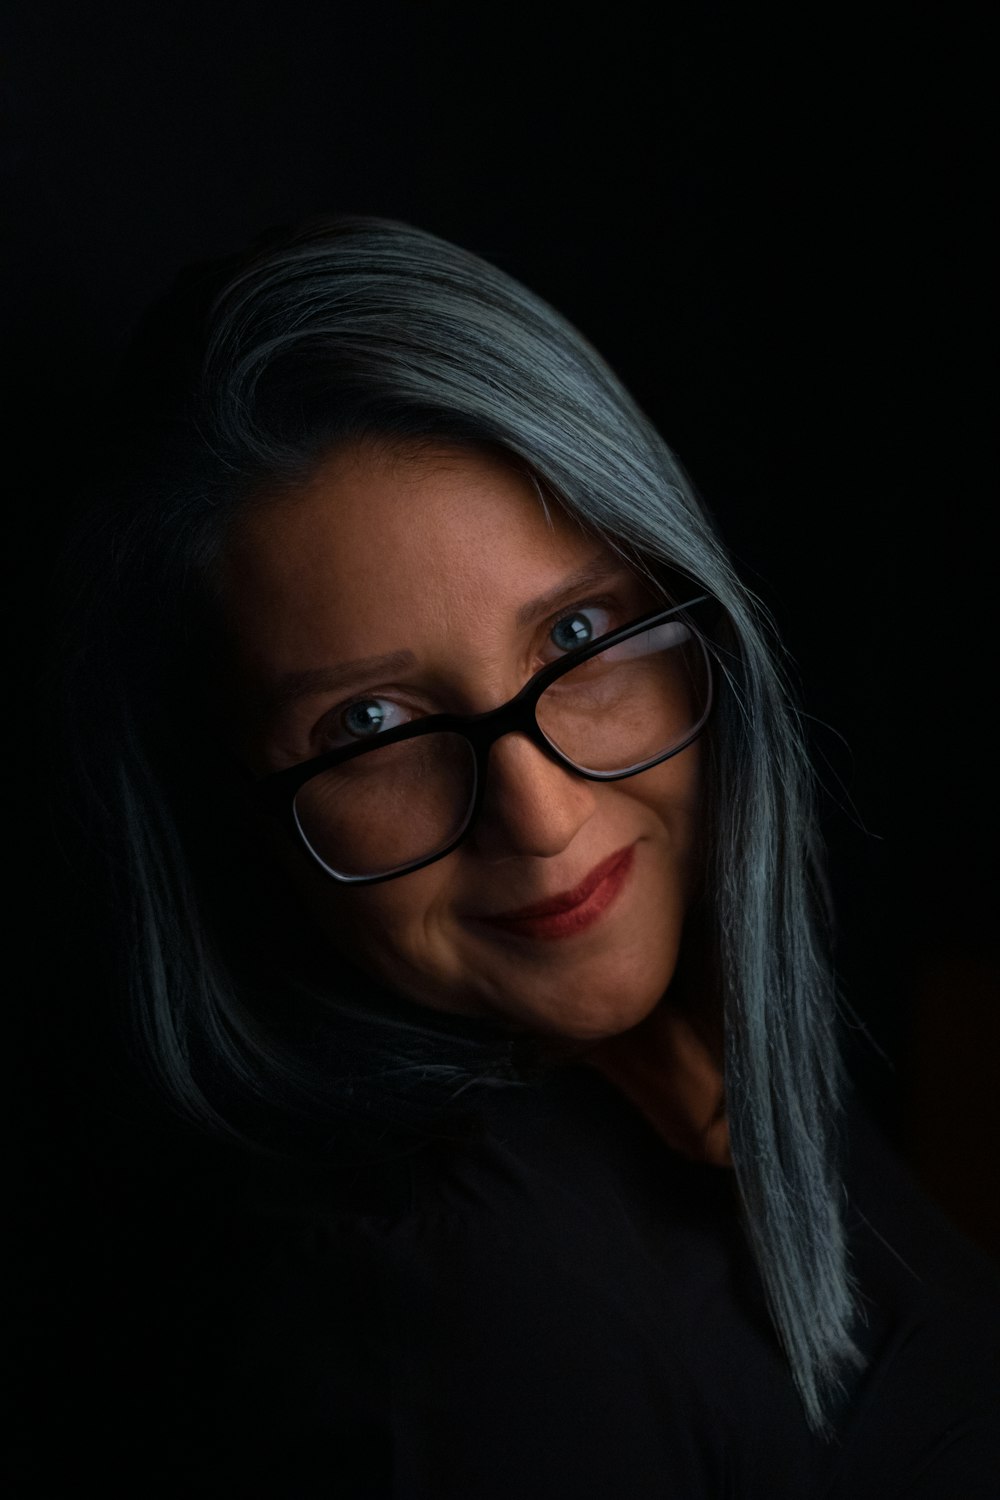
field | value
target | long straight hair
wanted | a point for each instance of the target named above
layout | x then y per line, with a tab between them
352	328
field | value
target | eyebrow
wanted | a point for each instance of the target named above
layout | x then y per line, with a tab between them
315	680
599	572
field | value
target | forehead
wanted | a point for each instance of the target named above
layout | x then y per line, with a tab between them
385	542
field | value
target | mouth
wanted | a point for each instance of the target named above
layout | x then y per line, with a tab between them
571	912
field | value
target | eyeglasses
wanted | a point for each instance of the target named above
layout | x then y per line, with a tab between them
406	797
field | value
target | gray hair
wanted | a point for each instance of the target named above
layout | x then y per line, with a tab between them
354	327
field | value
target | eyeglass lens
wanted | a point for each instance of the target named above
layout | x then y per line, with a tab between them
399	805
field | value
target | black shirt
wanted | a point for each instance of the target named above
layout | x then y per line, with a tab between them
564	1308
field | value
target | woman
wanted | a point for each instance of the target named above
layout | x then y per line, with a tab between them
460	852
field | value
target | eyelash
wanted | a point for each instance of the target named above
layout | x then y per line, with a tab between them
606	602
611	606
335	715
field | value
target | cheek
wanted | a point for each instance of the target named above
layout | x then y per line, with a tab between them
379	925
673	793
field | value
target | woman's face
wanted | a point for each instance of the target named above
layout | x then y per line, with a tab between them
444	563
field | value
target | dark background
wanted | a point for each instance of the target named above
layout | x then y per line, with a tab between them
772	225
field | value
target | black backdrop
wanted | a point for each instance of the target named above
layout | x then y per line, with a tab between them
773	228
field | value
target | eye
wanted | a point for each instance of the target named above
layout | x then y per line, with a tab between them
363	719
580	627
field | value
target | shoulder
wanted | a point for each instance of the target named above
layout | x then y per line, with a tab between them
568	1307
485	1337
561	1308
923	1420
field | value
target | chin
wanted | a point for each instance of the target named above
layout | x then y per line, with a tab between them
591	1016
597	1022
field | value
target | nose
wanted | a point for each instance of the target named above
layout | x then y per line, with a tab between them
531	805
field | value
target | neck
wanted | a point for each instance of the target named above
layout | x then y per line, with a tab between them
672	1072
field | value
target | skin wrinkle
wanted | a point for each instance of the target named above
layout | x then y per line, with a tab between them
340	571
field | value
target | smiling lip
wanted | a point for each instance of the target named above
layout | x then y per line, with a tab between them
571	911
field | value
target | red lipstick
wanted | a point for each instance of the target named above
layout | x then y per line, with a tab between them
571	911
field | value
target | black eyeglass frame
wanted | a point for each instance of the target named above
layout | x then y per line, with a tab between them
278	789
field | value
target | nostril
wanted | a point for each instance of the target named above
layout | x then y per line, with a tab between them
530	803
